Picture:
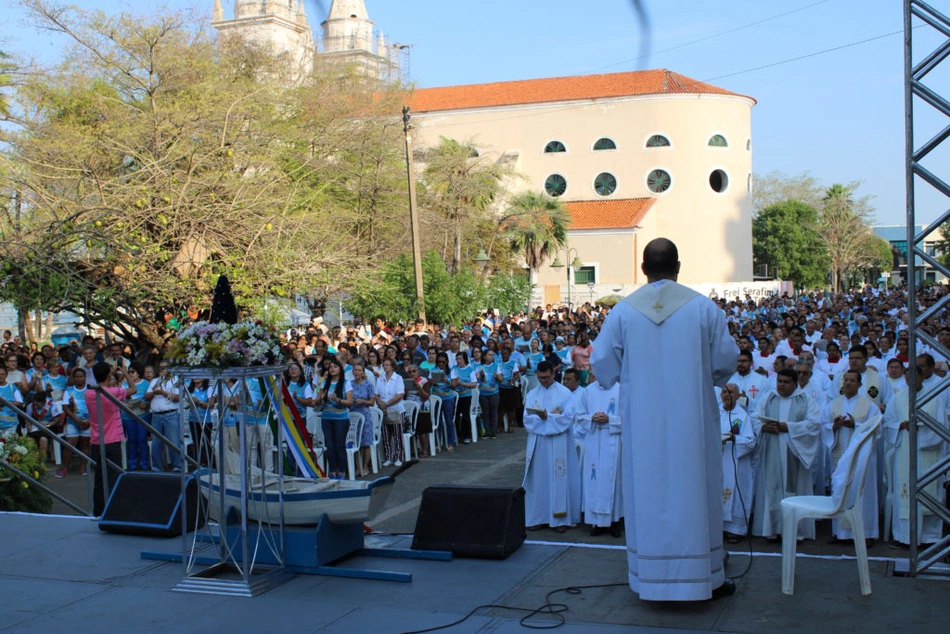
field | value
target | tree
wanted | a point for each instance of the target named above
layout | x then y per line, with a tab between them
845	228
450	297
6	79
776	187
785	237
459	186
155	158
537	226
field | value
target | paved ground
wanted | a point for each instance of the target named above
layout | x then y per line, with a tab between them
62	574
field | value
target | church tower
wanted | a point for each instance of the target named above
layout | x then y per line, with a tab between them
349	38
278	25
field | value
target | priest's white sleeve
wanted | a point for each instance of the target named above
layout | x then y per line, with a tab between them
607	358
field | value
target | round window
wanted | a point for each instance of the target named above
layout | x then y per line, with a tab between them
658	181
605	184
555	185
719	181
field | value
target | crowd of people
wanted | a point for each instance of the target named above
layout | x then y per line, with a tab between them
811	368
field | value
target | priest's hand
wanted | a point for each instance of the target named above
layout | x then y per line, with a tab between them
782	428
848	421
904	425
600	418
770	428
543	414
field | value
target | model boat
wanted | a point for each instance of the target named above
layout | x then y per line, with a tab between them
306	500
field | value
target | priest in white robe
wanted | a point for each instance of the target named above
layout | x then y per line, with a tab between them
789	428
738	446
839	420
930	448
598	416
752	385
668	346
552	480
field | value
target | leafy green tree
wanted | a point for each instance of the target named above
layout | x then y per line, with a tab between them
785	236
777	187
154	158
537	226
6	79
459	186
845	227
451	298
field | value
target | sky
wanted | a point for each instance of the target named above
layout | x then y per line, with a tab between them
836	114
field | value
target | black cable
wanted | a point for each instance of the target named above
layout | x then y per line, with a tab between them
555	609
745	514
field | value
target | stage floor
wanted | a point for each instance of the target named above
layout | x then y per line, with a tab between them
61	574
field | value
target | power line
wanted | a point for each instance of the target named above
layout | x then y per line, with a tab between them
713	36
815	54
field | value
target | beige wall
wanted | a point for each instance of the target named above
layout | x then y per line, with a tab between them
712	230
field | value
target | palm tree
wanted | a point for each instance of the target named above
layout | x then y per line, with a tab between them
537	226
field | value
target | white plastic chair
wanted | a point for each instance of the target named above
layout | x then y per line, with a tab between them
847	488
353	435
315	429
408	433
473	411
377	416
435	413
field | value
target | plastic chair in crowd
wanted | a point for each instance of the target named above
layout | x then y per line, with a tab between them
377	416
315	427
409	432
353	435
473	411
844	504
435	413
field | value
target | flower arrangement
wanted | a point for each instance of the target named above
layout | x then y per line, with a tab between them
17	494
222	345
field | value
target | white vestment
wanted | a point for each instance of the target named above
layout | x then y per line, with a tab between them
753	385
668	346
861	408
552	481
930	449
785	460
737	469
600	470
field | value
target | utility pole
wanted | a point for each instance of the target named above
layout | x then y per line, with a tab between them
413	216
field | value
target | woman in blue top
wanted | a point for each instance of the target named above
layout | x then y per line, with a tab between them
136	435
534	358
467	381
336	396
364	396
488	392
444	381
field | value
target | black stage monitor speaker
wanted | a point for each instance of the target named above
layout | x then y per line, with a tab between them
483	522
145	503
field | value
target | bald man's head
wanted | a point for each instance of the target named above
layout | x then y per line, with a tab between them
660	260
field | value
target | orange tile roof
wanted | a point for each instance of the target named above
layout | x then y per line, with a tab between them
622	213
528	91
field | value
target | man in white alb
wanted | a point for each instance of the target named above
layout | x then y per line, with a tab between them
738	445
843	414
598	417
669	346
789	427
552	481
752	385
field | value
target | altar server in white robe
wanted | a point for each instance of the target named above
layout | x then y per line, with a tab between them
668	346
839	420
738	446
552	478
789	428
930	449
598	415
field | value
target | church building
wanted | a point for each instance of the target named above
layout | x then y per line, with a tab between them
633	155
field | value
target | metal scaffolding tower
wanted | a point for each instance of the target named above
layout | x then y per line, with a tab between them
922	87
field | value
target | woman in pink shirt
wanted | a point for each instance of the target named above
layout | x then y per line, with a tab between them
580	355
111	425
